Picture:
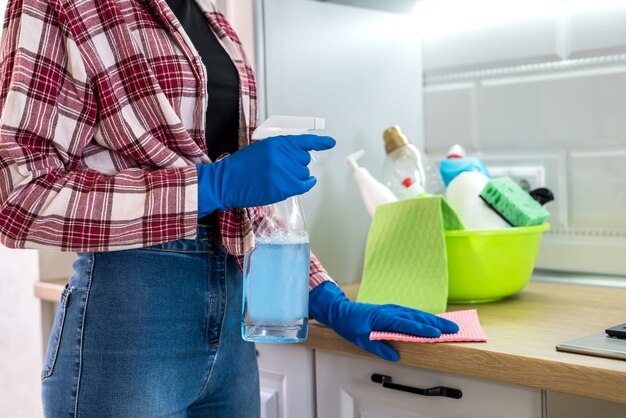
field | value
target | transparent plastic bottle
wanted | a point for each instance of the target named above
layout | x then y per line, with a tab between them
276	272
276	277
408	173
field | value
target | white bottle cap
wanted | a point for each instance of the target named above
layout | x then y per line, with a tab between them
456	151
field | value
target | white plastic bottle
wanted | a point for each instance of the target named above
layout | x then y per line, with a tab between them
373	192
463	194
408	173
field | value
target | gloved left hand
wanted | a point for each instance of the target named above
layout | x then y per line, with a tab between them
354	321
260	174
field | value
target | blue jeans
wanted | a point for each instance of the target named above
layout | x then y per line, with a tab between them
153	332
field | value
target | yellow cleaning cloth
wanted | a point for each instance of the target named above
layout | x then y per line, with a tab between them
405	257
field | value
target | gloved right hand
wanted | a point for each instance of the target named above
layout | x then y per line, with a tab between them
354	321
263	173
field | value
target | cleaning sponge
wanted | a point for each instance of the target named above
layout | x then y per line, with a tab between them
513	203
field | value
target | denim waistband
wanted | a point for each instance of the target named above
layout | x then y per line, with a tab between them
207	240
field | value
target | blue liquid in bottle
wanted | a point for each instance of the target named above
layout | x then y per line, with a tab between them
276	293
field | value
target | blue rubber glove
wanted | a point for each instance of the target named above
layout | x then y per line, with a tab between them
265	172
354	321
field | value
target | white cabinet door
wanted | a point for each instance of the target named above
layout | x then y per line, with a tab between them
345	390
287	381
561	405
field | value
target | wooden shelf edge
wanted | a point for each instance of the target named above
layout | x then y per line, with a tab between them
50	291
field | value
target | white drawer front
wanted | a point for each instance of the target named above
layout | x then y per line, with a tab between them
345	390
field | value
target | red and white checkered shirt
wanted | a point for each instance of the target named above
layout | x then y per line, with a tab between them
102	123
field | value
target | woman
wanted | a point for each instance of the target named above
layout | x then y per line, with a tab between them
124	136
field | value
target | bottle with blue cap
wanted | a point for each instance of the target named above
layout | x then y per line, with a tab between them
457	162
465	178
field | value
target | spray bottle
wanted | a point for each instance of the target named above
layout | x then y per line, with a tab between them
276	272
373	192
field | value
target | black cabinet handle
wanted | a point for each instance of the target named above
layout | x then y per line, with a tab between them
436	391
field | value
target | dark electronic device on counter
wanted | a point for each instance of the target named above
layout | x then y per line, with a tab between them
618	331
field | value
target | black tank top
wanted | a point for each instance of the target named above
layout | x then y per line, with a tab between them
222	114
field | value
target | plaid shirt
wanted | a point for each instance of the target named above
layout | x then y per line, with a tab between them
102	123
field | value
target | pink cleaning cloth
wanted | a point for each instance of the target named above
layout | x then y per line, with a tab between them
469	330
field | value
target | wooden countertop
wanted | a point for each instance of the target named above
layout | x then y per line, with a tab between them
522	333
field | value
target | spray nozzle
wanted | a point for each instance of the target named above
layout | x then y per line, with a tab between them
351	159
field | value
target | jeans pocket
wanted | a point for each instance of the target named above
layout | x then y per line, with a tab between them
55	336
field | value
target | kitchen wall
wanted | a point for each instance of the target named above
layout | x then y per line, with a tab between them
20	335
538	89
361	69
20	331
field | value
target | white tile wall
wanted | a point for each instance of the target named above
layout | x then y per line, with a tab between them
598	189
554	111
533	40
571	122
450	117
582	253
596	31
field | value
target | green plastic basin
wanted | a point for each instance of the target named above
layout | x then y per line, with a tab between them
488	265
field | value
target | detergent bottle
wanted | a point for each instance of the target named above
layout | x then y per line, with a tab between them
408	173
